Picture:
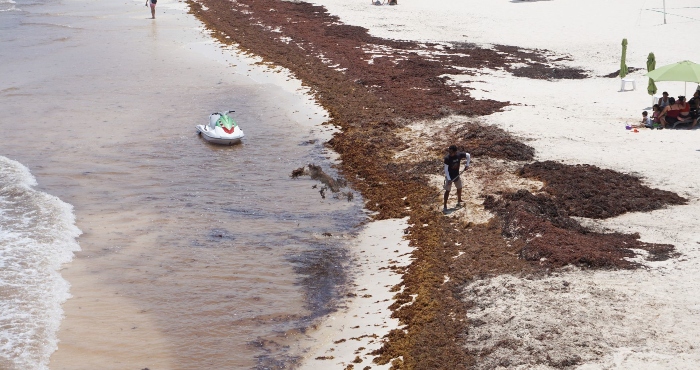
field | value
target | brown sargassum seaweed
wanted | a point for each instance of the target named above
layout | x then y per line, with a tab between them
371	101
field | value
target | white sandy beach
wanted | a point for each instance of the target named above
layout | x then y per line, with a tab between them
643	319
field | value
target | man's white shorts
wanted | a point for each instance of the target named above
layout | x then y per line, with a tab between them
457	182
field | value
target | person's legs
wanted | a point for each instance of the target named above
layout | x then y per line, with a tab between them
153	11
458	184
683	121
447	187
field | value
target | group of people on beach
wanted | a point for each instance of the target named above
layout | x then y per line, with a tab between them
390	2
671	112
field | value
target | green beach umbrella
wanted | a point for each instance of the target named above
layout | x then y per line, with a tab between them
623	65
651	65
685	71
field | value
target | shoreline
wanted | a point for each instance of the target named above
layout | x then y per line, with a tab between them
430	305
350	335
129	217
484	287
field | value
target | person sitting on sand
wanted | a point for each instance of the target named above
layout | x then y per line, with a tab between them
646	120
656	120
684	115
452	162
694	109
696	96
669	115
664	101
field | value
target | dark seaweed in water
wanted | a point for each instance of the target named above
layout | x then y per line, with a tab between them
322	271
321	268
221	234
317	173
323	278
270	360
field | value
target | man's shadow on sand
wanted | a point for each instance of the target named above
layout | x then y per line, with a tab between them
452	210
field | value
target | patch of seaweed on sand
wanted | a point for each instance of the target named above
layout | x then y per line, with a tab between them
551	238
554	239
405	79
488	141
449	253
588	191
617	73
371	88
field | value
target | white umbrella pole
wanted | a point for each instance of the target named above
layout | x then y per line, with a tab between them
664	11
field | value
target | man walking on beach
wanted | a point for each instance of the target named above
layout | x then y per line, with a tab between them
153	7
452	162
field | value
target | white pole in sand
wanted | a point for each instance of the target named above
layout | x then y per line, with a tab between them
664	11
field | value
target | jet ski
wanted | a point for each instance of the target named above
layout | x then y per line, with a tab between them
221	129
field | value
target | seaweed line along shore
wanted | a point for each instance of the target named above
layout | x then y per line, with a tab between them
379	93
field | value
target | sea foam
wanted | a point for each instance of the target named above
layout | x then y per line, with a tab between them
37	235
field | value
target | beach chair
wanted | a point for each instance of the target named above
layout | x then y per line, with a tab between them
625	81
681	123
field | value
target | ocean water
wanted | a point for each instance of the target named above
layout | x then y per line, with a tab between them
7	5
191	255
37	235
